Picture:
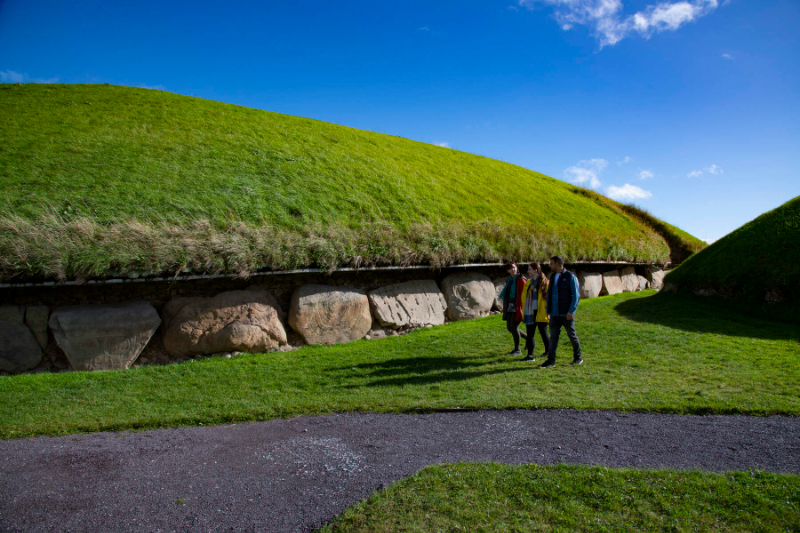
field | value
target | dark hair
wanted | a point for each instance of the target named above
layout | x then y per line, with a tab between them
510	264
557	259
538	268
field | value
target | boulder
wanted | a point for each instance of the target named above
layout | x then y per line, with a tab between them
591	284
324	314
104	337
12	314
643	283
630	282
655	276
36	317
19	350
468	295
612	283
499	283
413	303
246	321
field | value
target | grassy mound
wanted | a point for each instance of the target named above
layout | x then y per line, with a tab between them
104	180
756	267
494	497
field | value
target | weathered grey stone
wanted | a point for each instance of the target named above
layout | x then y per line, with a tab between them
612	283
591	284
248	321
12	314
324	314
499	283
643	283
468	295
104	337
36	318
630	282
19	350
413	303
655	276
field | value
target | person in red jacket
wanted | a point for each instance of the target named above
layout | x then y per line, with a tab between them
512	303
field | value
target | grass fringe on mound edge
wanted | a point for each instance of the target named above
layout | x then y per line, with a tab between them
54	247
494	497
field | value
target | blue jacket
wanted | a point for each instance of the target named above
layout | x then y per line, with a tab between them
567	284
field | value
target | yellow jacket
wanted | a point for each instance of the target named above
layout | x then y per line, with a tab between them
541	298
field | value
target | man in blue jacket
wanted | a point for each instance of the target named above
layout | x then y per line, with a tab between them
562	302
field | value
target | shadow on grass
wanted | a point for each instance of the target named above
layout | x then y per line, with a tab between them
699	314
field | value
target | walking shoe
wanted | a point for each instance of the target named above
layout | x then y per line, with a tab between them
528	357
547	364
577	361
515	352
543	354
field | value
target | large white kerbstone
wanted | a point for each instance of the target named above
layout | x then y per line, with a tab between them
413	303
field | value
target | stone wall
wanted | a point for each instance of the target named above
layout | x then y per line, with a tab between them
115	325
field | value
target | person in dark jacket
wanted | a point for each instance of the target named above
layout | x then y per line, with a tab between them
562	302
512	303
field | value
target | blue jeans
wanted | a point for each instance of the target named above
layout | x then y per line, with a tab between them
555	330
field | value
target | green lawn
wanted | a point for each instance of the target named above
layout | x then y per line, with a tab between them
102	180
643	352
492	497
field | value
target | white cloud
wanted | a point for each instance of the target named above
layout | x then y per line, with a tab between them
512	8
694	174
645	174
727	56
443	145
586	172
627	192
714	169
626	159
609	25
9	76
424	28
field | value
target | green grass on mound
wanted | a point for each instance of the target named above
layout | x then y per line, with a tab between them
493	497
759	259
104	180
643	352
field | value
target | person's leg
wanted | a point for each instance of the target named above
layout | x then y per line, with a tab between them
555	331
513	328
545	337
530	342
569	326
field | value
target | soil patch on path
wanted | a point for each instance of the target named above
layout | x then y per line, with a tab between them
293	475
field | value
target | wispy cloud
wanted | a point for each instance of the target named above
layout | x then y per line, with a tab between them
424	28
715	170
627	192
512	8
443	145
609	25
9	76
586	172
645	174
626	159
727	56
694	174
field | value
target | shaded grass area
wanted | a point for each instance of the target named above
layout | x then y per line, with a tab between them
493	497
643	352
756	267
93	177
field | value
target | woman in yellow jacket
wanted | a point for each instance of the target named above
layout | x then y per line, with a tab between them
534	298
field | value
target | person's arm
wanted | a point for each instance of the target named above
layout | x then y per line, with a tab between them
576	295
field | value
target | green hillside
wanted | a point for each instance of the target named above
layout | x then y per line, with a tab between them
101	180
756	267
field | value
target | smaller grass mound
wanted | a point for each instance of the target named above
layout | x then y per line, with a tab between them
493	497
757	266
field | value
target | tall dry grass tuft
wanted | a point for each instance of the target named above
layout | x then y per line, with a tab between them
79	248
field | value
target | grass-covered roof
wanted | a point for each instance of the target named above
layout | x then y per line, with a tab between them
99	180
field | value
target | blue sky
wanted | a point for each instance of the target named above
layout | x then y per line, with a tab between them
688	108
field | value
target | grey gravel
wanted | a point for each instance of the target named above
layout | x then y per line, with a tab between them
294	475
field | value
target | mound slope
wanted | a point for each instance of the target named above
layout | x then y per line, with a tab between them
105	180
757	266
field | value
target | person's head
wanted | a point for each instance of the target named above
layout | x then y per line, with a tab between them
511	268
535	271
556	264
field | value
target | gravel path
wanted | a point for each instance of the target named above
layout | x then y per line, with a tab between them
293	475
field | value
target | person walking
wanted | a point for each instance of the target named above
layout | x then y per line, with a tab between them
534	313
562	302
512	303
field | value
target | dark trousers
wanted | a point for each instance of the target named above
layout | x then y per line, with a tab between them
530	342
513	327
555	330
